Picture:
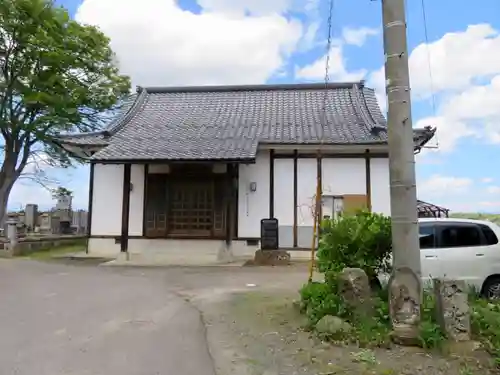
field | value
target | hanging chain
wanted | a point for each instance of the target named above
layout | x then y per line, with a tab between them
327	65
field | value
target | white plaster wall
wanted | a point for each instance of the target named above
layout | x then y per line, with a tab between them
107	200
283	200
306	190
253	206
283	191
136	200
343	176
381	199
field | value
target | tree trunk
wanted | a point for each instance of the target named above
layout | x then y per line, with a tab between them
8	176
5	190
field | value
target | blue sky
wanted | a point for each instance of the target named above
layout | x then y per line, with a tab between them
163	42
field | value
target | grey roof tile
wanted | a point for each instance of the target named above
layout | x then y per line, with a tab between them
229	122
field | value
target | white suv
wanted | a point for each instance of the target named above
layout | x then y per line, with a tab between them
461	249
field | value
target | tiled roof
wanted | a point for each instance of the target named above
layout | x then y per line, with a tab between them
229	122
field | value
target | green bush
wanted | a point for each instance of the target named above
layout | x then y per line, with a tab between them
361	240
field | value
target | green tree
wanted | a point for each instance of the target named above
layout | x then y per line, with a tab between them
56	76
61	192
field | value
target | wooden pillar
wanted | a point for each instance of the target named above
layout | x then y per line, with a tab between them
125	207
90	205
295	197
236	178
231	203
319	171
145	199
271	184
368	181
91	199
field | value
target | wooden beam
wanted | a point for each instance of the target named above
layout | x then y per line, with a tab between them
271	184
125	207
295	198
368	180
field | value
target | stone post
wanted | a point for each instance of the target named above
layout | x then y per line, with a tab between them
453	308
11	236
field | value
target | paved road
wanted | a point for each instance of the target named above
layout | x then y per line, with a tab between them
60	319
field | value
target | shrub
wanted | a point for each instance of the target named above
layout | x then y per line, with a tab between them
361	240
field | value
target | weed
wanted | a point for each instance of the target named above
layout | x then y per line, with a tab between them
364	356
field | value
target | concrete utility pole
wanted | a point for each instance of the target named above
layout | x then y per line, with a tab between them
405	283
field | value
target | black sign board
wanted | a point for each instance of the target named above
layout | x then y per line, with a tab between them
269	234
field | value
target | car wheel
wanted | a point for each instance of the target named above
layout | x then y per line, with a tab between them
491	288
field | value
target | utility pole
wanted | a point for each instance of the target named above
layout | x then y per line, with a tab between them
405	288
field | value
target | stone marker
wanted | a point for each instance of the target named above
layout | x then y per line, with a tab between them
453	308
271	258
354	287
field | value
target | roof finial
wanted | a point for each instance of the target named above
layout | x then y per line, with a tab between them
138	89
362	83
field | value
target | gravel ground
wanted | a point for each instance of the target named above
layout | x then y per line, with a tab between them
140	320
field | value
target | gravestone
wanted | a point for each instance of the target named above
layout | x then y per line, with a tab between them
354	287
453	308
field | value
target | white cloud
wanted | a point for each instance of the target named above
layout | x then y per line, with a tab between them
465	80
441	186
456	60
459	194
158	43
338	63
376	80
337	68
357	36
493	189
487	180
241	6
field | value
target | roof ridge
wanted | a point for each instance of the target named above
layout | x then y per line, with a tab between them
121	120
264	87
366	117
369	108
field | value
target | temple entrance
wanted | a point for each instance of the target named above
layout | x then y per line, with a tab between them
186	204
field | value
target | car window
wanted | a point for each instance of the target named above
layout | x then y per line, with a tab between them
460	235
489	235
427	235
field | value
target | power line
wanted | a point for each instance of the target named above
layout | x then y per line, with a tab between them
433	96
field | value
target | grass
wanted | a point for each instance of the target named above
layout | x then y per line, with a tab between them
55	252
319	300
270	334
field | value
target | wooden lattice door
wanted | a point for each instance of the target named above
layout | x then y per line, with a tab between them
191	210
156	205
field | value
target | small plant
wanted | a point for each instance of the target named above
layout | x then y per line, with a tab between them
431	334
365	356
318	300
485	324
